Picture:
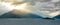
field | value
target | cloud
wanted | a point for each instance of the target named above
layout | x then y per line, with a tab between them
31	7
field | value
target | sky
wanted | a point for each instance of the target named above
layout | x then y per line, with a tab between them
33	7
